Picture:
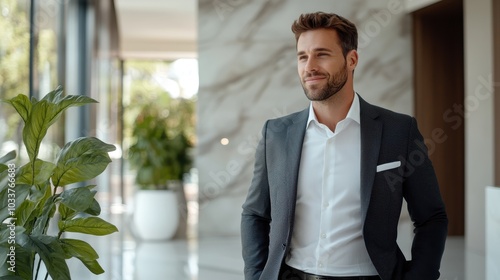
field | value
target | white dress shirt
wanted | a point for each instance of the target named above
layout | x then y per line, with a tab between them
327	237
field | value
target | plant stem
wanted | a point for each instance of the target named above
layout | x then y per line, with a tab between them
33	171
46	275
55	191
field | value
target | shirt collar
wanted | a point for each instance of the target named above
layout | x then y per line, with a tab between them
352	114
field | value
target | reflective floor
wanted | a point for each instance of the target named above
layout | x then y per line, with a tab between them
124	258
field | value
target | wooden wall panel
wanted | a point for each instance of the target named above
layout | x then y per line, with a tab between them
439	97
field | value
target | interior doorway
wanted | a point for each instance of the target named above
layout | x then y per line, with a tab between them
439	98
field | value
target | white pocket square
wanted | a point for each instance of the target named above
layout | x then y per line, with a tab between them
389	165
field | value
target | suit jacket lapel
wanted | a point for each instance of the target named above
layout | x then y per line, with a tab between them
371	134
293	144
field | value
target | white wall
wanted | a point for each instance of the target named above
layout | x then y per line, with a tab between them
479	133
248	74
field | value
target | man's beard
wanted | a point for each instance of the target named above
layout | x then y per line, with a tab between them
334	84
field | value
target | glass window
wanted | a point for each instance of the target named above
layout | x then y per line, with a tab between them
14	68
46	57
46	23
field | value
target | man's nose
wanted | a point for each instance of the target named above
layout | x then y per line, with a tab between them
311	65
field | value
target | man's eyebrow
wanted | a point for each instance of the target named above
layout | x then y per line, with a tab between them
315	50
322	50
301	53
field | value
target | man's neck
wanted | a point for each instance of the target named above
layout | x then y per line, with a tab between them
330	112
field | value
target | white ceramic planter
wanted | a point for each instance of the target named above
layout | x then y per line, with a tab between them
492	233
156	214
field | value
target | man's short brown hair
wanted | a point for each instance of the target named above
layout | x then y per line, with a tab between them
346	30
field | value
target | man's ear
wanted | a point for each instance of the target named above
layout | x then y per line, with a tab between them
352	59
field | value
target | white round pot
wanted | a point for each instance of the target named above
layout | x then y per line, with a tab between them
156	214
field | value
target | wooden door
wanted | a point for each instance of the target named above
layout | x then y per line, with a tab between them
439	99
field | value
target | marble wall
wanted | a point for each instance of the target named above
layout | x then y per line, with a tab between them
247	65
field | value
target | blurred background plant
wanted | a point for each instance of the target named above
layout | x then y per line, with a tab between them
159	124
161	149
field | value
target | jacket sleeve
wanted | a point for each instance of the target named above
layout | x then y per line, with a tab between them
256	216
426	210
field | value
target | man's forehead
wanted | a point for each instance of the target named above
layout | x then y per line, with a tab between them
318	38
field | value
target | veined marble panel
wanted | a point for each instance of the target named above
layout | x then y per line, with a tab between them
248	73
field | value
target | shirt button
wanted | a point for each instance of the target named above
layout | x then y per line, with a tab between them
320	264
323	235
326	204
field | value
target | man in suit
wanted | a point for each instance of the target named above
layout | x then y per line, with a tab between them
329	181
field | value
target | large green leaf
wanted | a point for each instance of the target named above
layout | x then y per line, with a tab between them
72	199
63	102
94	209
21	269
35	128
81	169
50	251
44	211
79	199
81	160
42	222
6	242
43	114
5	211
5	232
43	171
21	192
39	197
88	225
24	211
22	105
24	262
8	157
4	177
24	265
93	266
66	212
78	249
12	277
3	167
4	250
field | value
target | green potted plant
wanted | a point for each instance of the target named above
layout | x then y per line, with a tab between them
31	194
160	155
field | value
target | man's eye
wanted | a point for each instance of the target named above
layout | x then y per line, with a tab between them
302	58
322	54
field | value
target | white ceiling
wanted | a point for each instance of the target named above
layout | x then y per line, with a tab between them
157	29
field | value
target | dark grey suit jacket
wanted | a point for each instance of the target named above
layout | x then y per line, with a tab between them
386	136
